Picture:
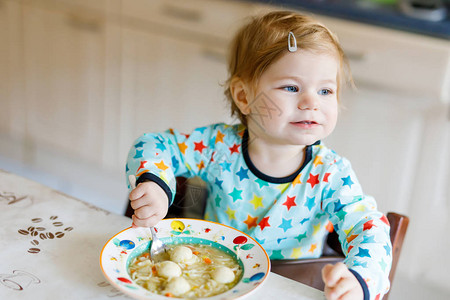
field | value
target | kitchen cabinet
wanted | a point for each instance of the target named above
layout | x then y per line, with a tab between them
93	75
12	112
174	64
64	75
159	89
4	55
61	69
380	139
207	21
400	63
98	74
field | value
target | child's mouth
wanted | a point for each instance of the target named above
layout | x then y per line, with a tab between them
305	123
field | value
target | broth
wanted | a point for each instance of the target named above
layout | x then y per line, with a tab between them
187	271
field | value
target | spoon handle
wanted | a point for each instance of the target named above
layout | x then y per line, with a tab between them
152	230
132	180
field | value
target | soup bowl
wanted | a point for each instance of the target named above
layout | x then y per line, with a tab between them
126	245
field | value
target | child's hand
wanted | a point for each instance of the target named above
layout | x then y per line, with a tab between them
150	204
340	283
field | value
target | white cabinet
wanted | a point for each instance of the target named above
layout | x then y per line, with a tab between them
12	108
96	74
169	83
401	63
4	70
64	76
381	135
58	83
211	20
173	66
85	78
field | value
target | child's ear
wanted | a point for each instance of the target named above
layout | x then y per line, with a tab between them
240	94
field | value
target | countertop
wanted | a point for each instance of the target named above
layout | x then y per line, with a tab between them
369	12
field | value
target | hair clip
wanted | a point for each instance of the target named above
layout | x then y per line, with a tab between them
292	47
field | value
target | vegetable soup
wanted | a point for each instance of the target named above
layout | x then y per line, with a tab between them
187	271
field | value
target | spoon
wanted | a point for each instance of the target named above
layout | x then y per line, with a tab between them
157	246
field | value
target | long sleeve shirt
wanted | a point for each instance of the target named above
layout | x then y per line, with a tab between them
290	216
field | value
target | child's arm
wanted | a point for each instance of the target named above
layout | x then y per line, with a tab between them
363	230
155	160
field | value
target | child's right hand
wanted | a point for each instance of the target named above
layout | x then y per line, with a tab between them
150	204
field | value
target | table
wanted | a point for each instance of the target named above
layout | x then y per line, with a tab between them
50	245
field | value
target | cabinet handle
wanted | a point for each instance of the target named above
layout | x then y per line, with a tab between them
214	55
84	23
356	56
184	14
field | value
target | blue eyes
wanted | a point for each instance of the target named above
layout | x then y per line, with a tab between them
325	92
295	89
291	88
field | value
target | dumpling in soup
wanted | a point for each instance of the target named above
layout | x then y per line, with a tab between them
168	269
178	286
181	254
223	275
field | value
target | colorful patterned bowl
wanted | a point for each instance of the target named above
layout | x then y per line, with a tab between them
131	242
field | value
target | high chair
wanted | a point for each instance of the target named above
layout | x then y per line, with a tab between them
307	271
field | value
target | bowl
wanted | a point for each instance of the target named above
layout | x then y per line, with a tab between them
118	252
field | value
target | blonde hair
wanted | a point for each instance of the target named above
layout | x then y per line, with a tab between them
264	39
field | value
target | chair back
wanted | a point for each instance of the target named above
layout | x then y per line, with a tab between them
308	271
399	224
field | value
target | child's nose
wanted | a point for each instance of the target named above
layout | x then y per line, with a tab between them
308	101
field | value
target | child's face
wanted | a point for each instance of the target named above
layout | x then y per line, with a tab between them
295	101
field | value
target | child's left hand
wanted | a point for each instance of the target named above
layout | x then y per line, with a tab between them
340	283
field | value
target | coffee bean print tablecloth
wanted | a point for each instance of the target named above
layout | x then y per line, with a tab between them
50	246
50	243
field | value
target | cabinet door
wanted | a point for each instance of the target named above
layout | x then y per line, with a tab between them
64	74
4	69
12	124
381	135
169	83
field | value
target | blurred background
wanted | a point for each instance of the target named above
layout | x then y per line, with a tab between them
81	79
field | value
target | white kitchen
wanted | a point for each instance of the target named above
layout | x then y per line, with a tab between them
80	80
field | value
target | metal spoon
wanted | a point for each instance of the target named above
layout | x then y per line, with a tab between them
156	246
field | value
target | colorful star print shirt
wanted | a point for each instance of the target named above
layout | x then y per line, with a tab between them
289	216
